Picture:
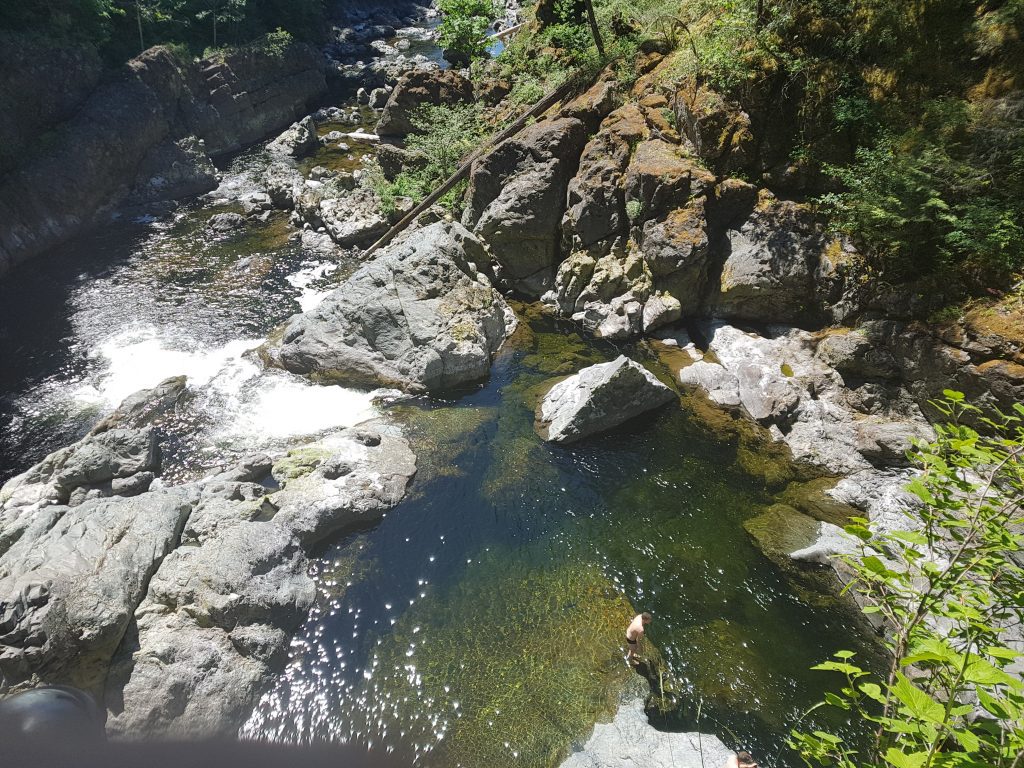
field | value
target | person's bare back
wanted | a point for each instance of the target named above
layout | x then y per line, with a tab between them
634	632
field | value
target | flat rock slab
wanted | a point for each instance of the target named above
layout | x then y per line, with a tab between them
598	398
629	741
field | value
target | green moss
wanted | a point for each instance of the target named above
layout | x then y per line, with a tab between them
299	462
811	498
438	436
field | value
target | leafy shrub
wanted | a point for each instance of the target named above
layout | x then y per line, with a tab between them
948	593
463	29
446	135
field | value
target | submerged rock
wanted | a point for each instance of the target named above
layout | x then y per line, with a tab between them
598	398
630	741
784	534
420	317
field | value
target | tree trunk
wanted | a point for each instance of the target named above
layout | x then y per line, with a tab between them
593	27
138	20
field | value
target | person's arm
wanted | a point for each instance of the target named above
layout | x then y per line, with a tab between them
733	761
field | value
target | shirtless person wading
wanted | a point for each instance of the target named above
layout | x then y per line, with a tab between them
634	632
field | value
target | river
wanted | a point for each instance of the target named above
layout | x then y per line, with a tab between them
480	623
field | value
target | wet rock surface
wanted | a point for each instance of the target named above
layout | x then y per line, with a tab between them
598	398
419	317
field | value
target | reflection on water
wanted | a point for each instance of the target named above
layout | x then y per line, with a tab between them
481	623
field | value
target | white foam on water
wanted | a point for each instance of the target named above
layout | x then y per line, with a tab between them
242	401
310	298
142	357
281	405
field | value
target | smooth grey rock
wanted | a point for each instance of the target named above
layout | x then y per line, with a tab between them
598	398
855	355
145	406
356	481
251	469
297	141
630	741
779	381
214	625
71	581
96	459
226	222
418	317
767	275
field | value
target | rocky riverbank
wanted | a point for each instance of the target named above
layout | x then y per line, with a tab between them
175	606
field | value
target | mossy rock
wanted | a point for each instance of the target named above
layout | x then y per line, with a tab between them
299	462
780	530
438	436
540	663
732	675
811	498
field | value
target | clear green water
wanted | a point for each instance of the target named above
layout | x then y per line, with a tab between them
481	623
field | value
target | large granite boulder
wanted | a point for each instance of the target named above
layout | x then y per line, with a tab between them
516	198
420	317
216	623
599	398
298	140
418	88
71	580
630	741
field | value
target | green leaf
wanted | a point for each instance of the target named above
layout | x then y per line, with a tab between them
917	702
904	760
983	673
873	691
875	565
836	701
968	741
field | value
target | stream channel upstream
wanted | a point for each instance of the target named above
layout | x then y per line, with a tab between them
481	622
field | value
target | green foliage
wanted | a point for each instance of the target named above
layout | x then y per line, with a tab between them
463	30
121	28
446	134
948	590
940	198
78	20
